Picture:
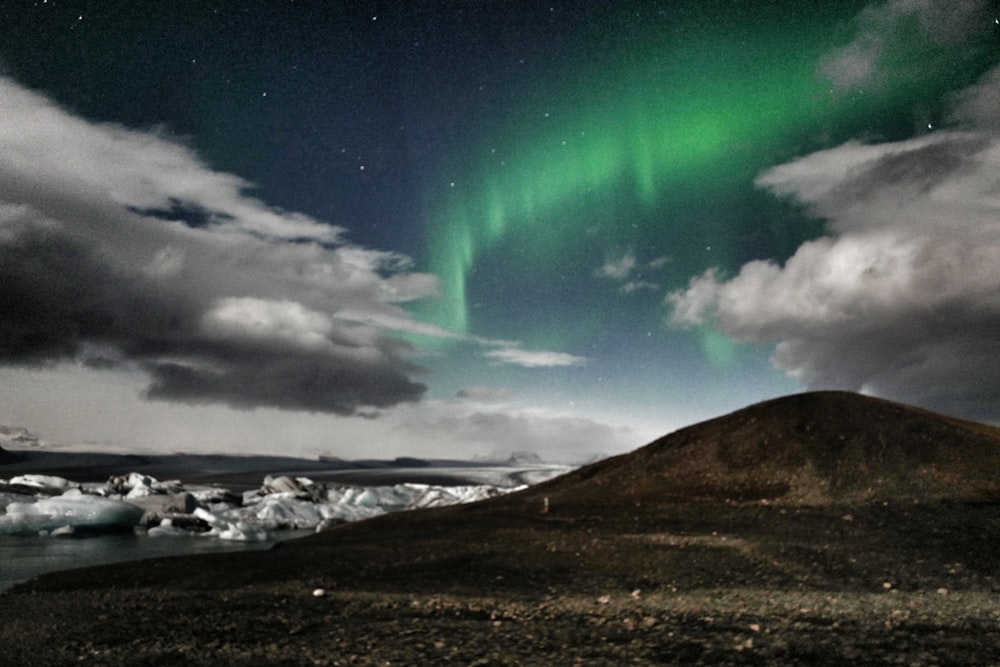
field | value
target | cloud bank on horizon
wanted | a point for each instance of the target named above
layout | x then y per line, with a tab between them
901	298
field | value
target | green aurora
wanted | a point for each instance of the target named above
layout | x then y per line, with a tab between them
652	148
678	125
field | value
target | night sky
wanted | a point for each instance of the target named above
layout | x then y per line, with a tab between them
461	228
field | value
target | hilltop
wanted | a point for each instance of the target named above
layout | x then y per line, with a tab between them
812	448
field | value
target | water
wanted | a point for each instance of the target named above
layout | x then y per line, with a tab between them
22	558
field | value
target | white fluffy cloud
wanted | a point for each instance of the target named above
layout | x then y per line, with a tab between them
618	268
626	270
534	359
125	243
902	298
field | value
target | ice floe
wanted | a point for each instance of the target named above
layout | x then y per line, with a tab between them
66	514
49	505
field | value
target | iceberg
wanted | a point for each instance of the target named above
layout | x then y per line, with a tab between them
71	512
43	482
167	509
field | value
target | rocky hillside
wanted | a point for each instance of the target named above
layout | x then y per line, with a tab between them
811	448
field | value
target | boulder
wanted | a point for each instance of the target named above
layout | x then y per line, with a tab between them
188	522
160	506
299	487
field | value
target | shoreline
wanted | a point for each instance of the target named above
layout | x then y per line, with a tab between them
28	555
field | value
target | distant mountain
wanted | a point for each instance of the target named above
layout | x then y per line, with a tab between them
519	457
15	437
5	456
18	437
811	448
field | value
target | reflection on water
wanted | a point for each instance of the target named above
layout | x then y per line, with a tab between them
22	558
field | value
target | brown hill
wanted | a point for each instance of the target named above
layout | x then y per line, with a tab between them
811	448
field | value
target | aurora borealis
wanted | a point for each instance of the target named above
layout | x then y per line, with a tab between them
529	224
648	138
625	152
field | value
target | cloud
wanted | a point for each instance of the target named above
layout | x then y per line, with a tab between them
535	359
638	285
902	298
233	302
502	430
658	263
907	40
626	270
977	105
100	411
482	394
618	268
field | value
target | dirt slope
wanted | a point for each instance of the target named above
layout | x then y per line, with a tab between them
816	447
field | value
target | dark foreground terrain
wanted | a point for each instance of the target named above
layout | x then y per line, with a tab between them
743	566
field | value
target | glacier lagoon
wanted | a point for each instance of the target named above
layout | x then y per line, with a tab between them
50	523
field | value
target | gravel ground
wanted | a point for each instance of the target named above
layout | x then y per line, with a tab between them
732	627
493	584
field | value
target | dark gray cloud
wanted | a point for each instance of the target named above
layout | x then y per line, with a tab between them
316	382
902	299
121	249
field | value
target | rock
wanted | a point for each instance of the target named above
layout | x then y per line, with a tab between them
301	488
214	495
160	506
283	484
327	524
188	522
